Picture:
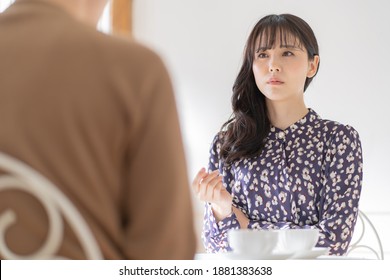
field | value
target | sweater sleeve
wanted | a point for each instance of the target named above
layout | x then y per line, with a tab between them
159	218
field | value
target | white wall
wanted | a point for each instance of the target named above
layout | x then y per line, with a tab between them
202	41
4	4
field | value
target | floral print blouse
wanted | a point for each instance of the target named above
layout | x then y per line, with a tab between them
308	175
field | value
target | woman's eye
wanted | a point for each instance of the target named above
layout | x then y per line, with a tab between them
288	53
262	55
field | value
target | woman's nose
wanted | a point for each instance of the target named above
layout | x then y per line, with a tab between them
274	66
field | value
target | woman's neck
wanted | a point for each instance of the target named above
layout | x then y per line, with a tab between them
284	114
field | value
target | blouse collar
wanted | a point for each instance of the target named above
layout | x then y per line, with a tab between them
310	119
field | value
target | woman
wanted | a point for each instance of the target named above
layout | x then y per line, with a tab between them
276	164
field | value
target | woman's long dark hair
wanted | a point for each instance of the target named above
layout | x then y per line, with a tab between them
243	135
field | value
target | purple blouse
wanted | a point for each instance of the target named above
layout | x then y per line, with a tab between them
308	175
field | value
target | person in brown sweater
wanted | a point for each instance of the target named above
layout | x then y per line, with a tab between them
96	115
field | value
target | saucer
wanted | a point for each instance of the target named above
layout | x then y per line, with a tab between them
272	256
310	254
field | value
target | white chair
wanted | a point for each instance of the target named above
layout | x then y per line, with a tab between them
367	234
22	177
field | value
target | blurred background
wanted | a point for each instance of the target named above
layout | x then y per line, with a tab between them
201	42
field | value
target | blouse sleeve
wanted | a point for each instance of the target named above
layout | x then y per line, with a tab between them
214	233
341	192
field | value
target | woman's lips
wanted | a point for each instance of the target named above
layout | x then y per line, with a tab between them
274	82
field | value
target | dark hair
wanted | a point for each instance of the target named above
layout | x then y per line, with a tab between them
244	133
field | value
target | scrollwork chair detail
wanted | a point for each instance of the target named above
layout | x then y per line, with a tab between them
357	241
22	177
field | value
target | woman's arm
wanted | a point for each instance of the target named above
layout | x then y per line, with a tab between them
241	218
219	215
342	187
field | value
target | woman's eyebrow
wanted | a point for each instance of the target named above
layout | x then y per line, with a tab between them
261	49
291	47
264	48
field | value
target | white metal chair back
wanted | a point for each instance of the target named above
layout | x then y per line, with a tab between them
365	233
22	177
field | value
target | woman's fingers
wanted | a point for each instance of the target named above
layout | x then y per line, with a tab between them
206	183
210	176
198	178
209	187
213	188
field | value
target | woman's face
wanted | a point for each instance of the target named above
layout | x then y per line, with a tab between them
280	72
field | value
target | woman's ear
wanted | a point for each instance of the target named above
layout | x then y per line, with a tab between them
313	66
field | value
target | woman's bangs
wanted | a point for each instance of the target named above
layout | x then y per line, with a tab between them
267	37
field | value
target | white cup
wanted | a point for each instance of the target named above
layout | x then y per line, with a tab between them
253	243
297	240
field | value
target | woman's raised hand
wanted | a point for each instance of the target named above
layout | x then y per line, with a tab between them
209	188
